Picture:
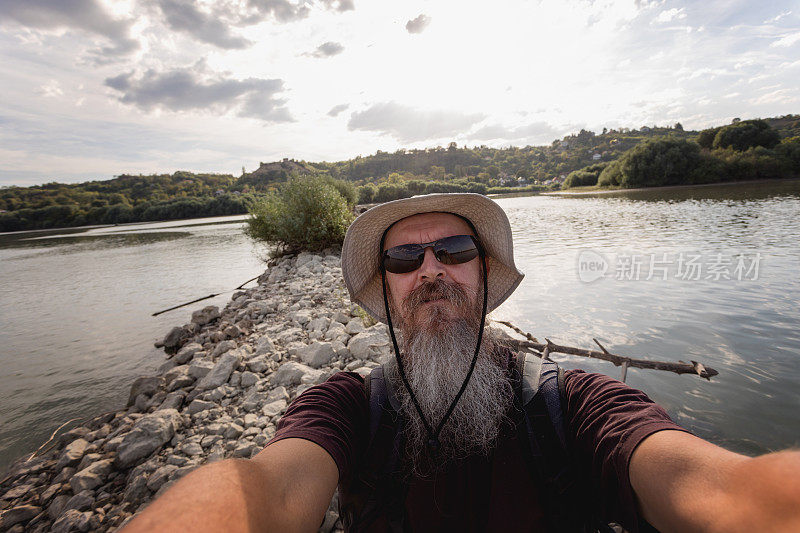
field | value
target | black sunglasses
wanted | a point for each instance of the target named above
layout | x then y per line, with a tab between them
452	250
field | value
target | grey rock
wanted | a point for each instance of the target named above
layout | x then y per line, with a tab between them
191	448
57	506
177	460
250	420
82	501
318	324
72	454
186	352
278	393
64	475
76	433
148	434
50	492
369	344
354	326
248	379
160	476
145	385
90	477
18	515
203	316
210	440
136	489
302	316
246	449
233	431
222	347
258	364
335	331
199	369
317	354
174	339
73	520
17	492
264	345
233	332
290	374
199	405
220	373
174	400
343	317
87	460
289	335
274	408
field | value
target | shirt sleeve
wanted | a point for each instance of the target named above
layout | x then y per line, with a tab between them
333	415
606	421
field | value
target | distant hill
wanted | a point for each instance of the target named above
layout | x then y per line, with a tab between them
129	198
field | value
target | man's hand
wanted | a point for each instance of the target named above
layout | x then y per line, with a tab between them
684	483
286	487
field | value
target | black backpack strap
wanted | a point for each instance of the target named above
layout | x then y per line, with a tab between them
376	488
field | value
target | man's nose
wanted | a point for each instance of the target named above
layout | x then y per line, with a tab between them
431	268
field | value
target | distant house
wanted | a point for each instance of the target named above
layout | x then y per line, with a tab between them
596	157
287	166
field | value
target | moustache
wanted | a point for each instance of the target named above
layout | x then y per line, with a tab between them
437	290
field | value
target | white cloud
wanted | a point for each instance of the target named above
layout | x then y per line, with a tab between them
668	15
50	89
409	124
418	24
778	17
787	40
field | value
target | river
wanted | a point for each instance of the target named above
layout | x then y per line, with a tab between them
707	274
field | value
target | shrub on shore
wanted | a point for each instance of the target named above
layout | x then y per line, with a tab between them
305	213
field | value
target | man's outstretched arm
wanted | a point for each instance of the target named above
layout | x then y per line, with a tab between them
684	483
286	487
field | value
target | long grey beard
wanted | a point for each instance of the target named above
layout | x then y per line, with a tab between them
436	364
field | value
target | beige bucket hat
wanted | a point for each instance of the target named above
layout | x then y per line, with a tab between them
361	249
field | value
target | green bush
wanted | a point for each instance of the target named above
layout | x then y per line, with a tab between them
746	134
305	213
611	176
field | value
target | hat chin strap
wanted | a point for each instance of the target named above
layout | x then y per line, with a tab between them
433	435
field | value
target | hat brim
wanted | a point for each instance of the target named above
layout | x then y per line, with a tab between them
361	248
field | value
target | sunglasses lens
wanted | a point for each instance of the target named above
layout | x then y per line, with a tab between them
403	259
452	250
456	250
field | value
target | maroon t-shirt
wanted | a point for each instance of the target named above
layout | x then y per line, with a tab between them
605	421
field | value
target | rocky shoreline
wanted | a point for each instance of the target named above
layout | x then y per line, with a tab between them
228	378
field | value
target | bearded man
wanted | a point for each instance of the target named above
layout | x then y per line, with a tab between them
431	441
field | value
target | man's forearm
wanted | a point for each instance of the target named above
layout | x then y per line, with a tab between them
766	492
231	495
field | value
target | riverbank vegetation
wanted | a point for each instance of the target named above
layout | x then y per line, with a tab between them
652	155
743	150
310	212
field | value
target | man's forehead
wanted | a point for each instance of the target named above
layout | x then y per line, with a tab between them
428	224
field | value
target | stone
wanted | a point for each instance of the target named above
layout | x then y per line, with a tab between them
186	352
274	408
91	477
233	331
278	393
145	385
288	335
72	454
203	316
354	326
82	501
246	449
342	317
258	364
335	331
87	460
222	347
174	339
199	405
318	324
199	369
191	448
264	345
220	373
136	489
79	432
317	354
18	515
233	431
160	476
50	492
18	492
73	520
248	379
290	374
369	344
250	420
174	400
57	506
64	475
177	460
148	434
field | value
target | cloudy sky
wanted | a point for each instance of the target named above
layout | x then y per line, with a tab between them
95	88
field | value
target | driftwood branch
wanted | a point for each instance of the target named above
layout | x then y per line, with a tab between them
203	298
544	350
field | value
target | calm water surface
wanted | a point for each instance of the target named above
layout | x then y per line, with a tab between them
76	327
75	310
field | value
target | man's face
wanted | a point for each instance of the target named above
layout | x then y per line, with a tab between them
429	227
